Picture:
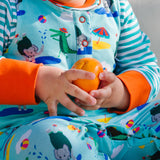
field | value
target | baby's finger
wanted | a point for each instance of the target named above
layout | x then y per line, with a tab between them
101	93
52	109
72	106
75	91
107	76
95	107
74	74
80	103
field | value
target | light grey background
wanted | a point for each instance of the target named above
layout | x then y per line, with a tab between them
148	15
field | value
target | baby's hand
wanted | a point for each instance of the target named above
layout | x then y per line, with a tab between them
53	85
111	93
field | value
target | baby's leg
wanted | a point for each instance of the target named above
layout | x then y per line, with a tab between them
134	135
131	136
53	138
144	132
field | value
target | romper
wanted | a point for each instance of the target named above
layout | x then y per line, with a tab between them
58	35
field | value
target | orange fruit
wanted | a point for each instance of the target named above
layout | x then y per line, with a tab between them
91	65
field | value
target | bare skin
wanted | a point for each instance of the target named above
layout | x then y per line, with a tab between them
53	86
111	93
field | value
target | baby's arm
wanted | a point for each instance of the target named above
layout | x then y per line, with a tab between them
22	82
17	82
136	69
136	64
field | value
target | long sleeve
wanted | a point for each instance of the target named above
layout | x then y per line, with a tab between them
134	58
17	78
8	21
17	82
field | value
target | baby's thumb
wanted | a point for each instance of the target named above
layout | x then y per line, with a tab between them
52	108
109	77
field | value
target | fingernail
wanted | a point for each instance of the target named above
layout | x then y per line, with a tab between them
93	76
93	101
101	75
92	93
82	113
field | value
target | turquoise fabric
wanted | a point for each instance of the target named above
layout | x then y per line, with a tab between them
59	36
105	136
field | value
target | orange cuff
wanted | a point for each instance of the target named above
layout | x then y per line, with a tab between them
17	82
138	88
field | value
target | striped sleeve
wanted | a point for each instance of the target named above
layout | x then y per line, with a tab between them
8	21
134	52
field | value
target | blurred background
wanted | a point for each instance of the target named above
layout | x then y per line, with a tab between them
148	15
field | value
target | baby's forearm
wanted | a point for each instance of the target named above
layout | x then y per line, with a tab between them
123	96
119	97
138	89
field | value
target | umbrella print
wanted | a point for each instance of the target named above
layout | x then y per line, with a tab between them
101	32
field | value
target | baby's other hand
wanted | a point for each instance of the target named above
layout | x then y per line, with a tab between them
111	93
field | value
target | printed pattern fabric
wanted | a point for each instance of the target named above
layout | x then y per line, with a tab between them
116	41
60	39
133	135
